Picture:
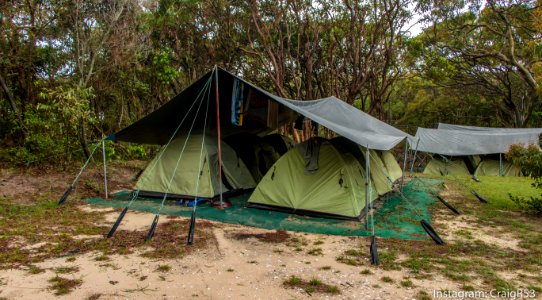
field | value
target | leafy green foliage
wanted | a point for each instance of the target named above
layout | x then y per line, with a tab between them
530	160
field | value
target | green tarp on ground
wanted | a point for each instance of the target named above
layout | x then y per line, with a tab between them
394	217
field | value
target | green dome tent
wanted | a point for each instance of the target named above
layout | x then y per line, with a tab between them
323	178
200	153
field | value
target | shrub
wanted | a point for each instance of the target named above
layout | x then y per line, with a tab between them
530	161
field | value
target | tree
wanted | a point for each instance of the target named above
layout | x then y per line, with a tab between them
492	46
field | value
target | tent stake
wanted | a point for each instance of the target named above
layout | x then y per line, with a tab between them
448	205
150	234
191	229
431	232
374	251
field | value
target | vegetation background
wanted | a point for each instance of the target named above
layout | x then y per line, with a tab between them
72	71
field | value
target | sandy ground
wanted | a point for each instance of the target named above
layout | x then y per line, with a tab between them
231	268
234	269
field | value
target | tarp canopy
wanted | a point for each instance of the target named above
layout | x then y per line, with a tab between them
492	129
260	114
469	142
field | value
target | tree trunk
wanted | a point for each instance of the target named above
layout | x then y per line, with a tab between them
13	106
82	138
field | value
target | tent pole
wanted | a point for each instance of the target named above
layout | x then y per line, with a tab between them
500	165
404	165
414	158
367	174
105	168
218	133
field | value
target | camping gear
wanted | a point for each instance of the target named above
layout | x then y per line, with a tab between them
155	178
393	217
460	142
335	187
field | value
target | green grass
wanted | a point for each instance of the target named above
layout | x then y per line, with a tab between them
387	279
366	272
163	268
32	269
314	285
315	252
406	283
63	286
495	189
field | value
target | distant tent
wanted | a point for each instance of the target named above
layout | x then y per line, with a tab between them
323	178
452	166
493	165
465	143
194	162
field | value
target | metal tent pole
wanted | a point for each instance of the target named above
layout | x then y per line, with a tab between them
501	171
414	158
219	140
105	168
367	174
404	166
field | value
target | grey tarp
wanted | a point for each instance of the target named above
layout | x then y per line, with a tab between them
464	142
485	129
344	119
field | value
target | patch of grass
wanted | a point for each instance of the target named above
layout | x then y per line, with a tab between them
70	259
418	264
94	297
102	257
535	288
423	295
366	272
468	288
496	189
315	252
314	285
143	278
376	286
163	268
292	281
315	281
230	270
63	286
277	237
407	283
252	262
387	279
325	268
388	260
32	269
318	242
279	251
66	270
351	257
466	234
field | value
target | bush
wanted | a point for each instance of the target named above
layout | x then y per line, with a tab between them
530	161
